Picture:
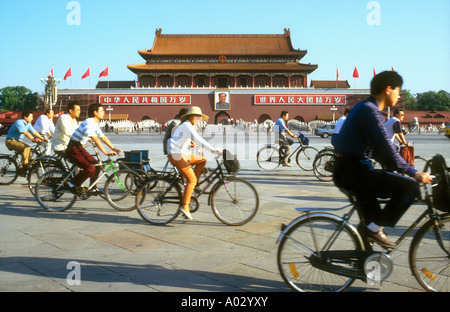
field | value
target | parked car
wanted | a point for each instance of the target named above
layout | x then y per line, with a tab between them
447	131
325	131
4	128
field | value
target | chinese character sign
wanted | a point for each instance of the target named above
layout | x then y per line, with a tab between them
300	99
145	99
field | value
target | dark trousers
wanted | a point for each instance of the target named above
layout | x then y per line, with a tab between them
77	155
367	184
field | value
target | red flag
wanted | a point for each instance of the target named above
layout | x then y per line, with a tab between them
392	68
355	73
104	73
374	73
68	74
51	72
337	75
87	73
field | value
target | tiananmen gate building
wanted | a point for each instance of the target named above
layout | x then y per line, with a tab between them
249	77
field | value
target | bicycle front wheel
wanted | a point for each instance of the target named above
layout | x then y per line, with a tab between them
51	194
429	260
121	189
234	201
268	158
307	237
305	157
158	200
324	166
8	170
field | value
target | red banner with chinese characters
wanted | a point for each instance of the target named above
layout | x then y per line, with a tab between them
300	99
145	99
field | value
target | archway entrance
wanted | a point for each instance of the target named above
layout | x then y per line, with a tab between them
263	118
221	118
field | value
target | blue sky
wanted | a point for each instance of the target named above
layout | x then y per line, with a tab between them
411	36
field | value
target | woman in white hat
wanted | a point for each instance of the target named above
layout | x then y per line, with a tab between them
180	156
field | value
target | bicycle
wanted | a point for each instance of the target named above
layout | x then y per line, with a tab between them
234	201
320	251
271	156
120	187
9	164
323	165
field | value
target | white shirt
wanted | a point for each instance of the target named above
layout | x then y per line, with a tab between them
339	124
65	126
181	139
44	125
390	127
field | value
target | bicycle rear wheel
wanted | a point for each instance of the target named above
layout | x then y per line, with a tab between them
51	194
8	170
39	167
158	200
323	166
234	201
429	263
121	189
308	236
268	158
305	157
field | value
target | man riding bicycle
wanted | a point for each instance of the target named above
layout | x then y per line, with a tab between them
77	154
14	139
285	143
364	135
65	127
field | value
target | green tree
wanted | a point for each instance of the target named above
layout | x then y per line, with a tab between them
18	98
437	101
409	102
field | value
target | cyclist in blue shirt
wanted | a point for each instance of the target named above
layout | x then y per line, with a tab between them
14	139
364	135
284	141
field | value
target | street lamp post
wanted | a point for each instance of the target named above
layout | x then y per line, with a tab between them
51	90
109	109
334	109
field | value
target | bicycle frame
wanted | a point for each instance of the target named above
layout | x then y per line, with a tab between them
36	149
216	174
109	162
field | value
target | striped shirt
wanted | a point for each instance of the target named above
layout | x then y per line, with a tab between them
364	135
88	128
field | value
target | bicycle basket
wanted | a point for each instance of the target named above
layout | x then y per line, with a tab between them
304	139
231	162
441	192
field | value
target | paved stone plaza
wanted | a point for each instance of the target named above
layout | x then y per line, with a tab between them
119	251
